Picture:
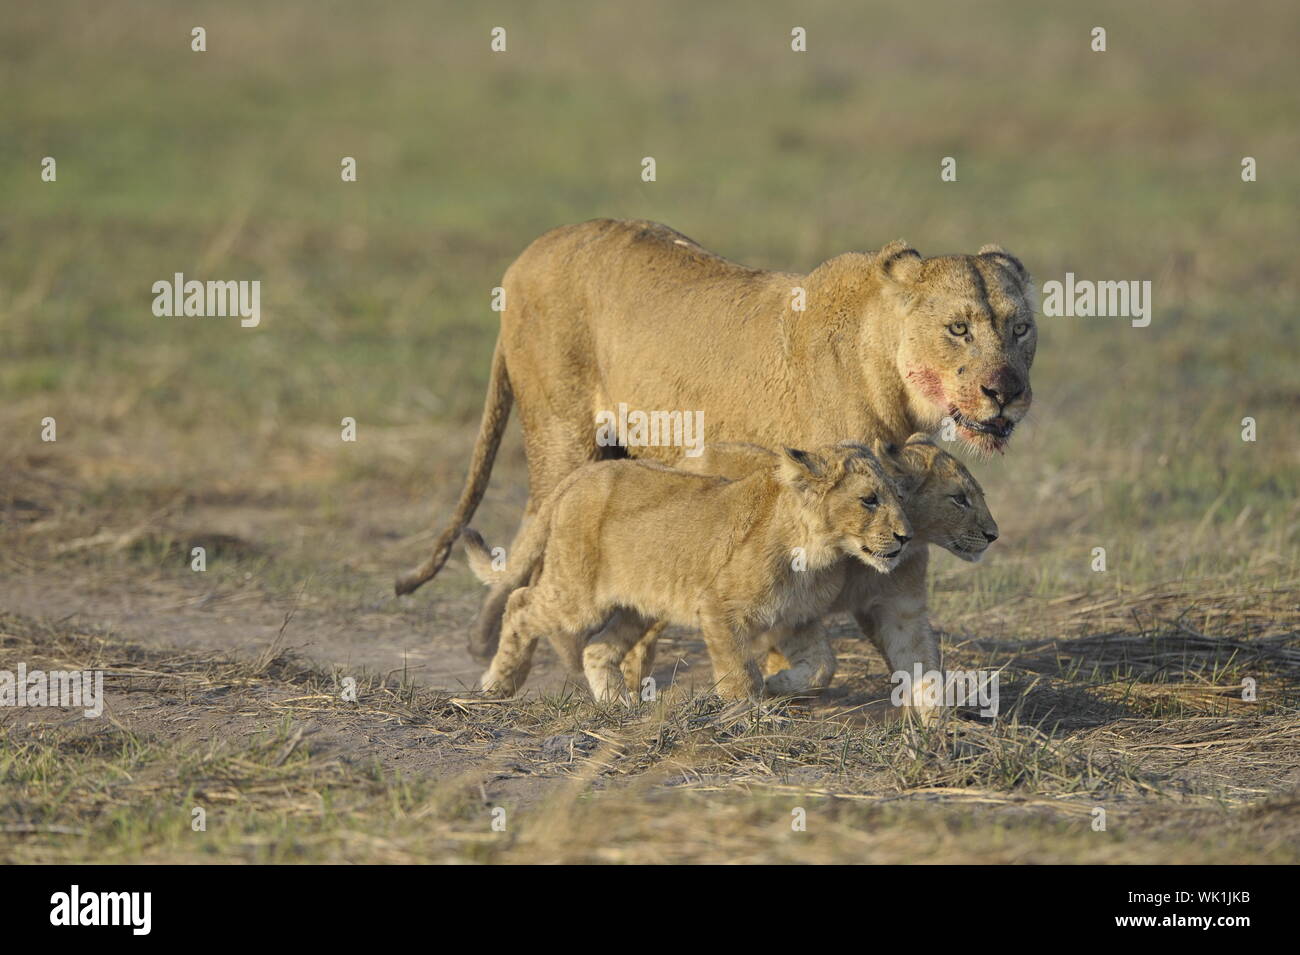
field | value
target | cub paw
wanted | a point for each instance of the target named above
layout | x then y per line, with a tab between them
495	687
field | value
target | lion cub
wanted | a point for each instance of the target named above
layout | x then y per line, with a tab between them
699	551
947	508
943	502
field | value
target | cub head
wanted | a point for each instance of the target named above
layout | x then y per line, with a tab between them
967	338
848	503
945	503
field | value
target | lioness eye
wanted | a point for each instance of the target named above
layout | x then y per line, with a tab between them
1020	329
870	503
960	500
959	329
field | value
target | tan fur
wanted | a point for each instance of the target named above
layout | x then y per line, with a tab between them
893	608
653	543
613	311
609	312
943	502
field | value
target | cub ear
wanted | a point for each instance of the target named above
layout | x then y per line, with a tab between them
800	468
1005	259
900	262
885	450
895	467
920	455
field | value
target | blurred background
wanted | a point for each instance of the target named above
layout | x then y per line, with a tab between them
1122	165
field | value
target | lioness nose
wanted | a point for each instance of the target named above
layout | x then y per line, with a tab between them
990	537
1005	390
902	538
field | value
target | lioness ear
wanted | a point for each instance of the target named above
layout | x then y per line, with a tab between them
1006	259
900	262
800	468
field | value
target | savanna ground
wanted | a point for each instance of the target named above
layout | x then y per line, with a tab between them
1122	689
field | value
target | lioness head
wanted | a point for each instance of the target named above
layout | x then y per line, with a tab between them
968	338
944	501
848	500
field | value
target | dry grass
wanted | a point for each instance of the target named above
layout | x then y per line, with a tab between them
289	771
1120	689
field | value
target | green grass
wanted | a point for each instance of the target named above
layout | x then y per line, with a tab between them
375	302
375	293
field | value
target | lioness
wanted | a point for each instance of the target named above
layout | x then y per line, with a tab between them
699	551
611	312
943	502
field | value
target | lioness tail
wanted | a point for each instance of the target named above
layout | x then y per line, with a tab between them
496	411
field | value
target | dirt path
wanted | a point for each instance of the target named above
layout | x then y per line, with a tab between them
421	636
424	635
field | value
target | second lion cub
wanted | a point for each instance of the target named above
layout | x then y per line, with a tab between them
946	507
694	550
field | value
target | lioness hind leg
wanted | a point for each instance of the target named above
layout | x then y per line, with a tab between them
555	447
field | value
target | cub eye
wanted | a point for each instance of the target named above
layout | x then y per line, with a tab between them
1020	329
960	500
870	503
959	329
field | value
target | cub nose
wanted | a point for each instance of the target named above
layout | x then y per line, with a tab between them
990	537
902	538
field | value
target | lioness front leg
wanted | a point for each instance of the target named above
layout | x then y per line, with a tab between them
735	673
811	658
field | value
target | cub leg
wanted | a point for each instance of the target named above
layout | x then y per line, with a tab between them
870	628
514	654
808	649
546	608
487	626
904	636
763	648
735	673
774	661
604	655
639	662
554	449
